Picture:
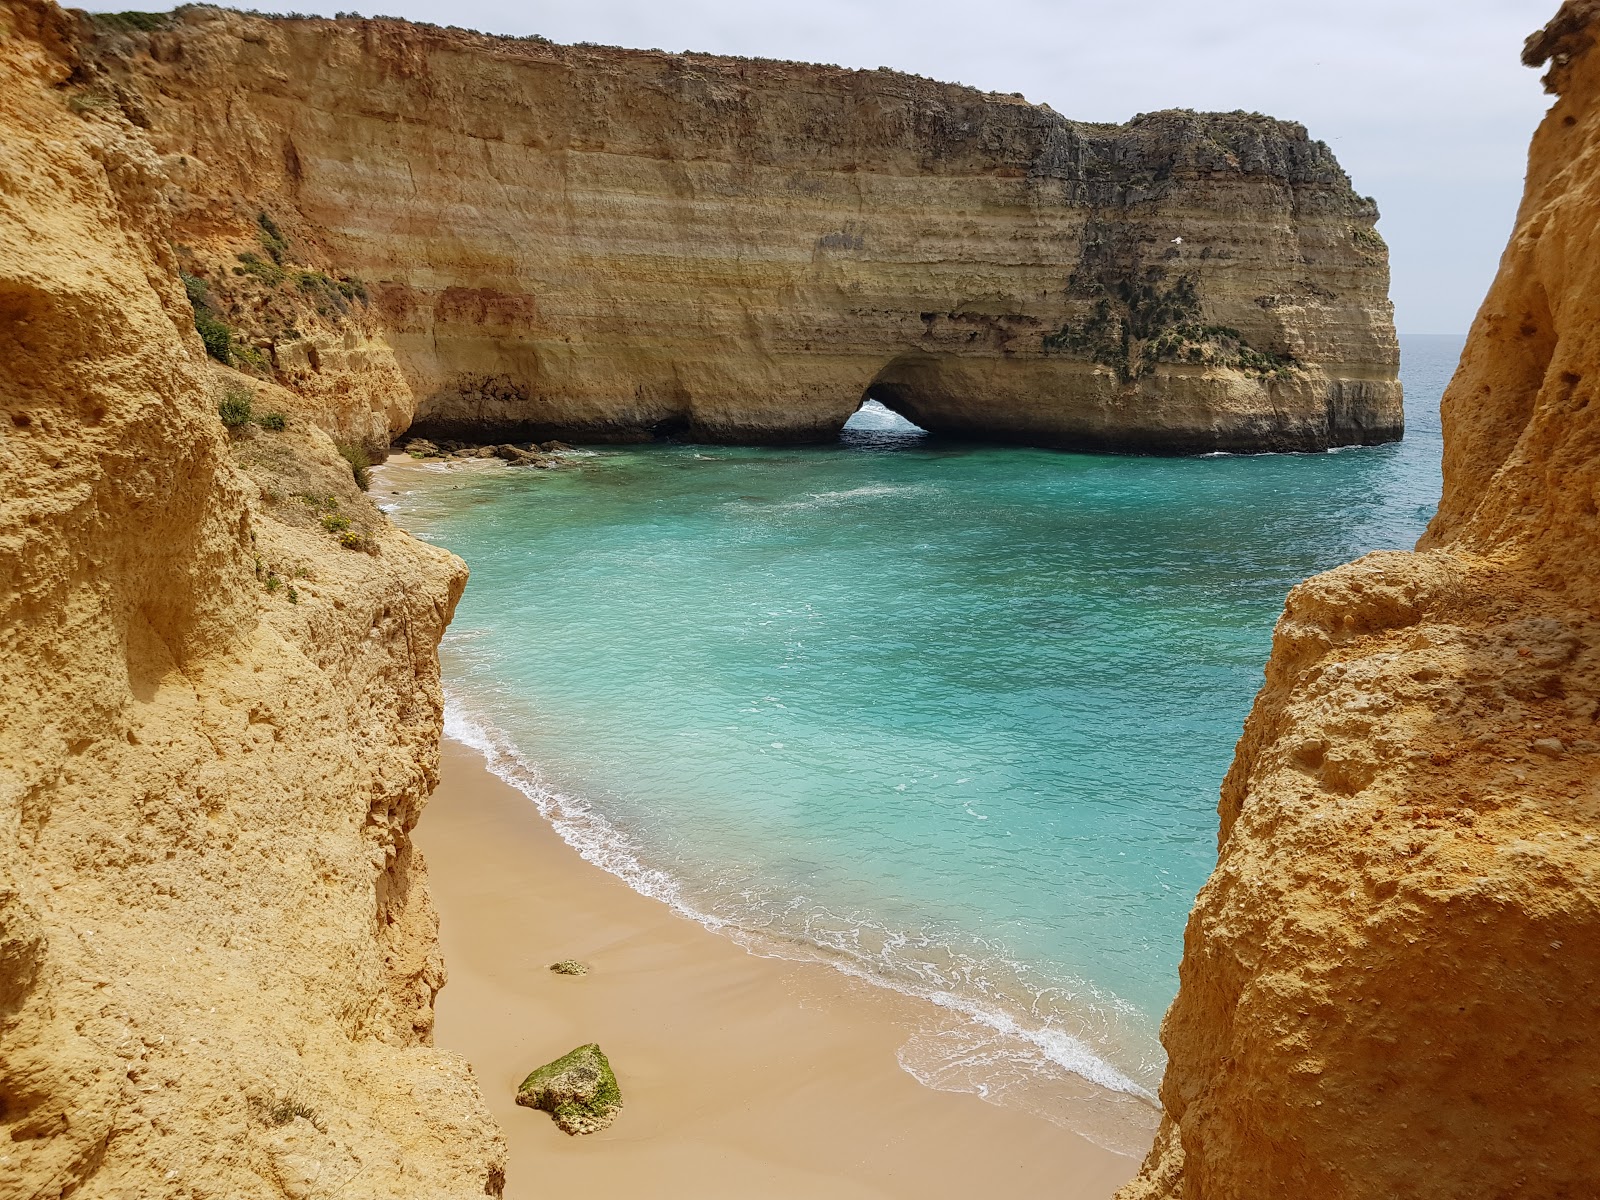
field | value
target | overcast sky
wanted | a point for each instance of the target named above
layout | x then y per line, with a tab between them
1424	101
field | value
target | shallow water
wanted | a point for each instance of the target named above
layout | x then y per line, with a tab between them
950	716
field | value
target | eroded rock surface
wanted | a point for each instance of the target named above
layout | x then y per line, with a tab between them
1388	985
218	725
502	239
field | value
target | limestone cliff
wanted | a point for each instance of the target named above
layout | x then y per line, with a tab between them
217	726
495	237
1388	985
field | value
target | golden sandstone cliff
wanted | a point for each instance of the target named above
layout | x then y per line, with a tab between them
217	726
218	723
1389	984
588	243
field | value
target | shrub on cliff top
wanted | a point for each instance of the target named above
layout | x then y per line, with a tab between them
125	22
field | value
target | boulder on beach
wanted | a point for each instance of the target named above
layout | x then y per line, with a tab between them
570	966
578	1090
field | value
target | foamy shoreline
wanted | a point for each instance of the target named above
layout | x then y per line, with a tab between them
741	1074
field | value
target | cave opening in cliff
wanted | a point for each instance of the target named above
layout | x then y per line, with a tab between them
877	425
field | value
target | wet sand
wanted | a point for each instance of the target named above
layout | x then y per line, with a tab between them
742	1076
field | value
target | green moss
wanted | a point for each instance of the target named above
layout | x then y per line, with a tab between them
578	1090
1135	325
1368	239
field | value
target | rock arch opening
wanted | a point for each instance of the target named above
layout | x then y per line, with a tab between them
889	409
876	422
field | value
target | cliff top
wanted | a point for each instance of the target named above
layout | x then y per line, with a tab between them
1155	142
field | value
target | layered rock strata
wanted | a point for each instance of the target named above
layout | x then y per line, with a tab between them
219	718
1388	984
600	244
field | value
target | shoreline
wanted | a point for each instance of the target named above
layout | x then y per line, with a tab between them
741	1075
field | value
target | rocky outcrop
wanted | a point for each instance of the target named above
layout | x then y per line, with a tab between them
502	239
219	718
1388	983
578	1090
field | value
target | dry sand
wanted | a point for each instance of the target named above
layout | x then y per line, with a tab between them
741	1075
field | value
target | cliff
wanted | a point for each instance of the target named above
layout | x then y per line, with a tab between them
500	238
217	726
1388	984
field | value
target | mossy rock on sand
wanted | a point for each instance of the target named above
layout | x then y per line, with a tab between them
578	1090
570	966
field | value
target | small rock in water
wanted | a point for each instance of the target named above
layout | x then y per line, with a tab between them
570	966
554	446
487	452
578	1090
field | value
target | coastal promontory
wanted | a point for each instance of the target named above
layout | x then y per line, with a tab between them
501	239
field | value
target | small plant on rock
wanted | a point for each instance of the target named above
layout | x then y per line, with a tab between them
253	264
272	239
282	1111
275	421
360	466
234	408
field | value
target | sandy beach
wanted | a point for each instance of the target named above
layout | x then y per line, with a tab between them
741	1075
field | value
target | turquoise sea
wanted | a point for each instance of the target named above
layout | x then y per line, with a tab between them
949	716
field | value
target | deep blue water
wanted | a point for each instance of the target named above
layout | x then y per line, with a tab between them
951	715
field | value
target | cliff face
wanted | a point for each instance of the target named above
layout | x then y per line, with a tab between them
603	244
217	726
1388	985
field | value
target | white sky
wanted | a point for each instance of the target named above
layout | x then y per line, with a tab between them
1424	101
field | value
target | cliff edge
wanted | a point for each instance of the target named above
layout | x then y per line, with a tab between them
217	727
501	239
1387	986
